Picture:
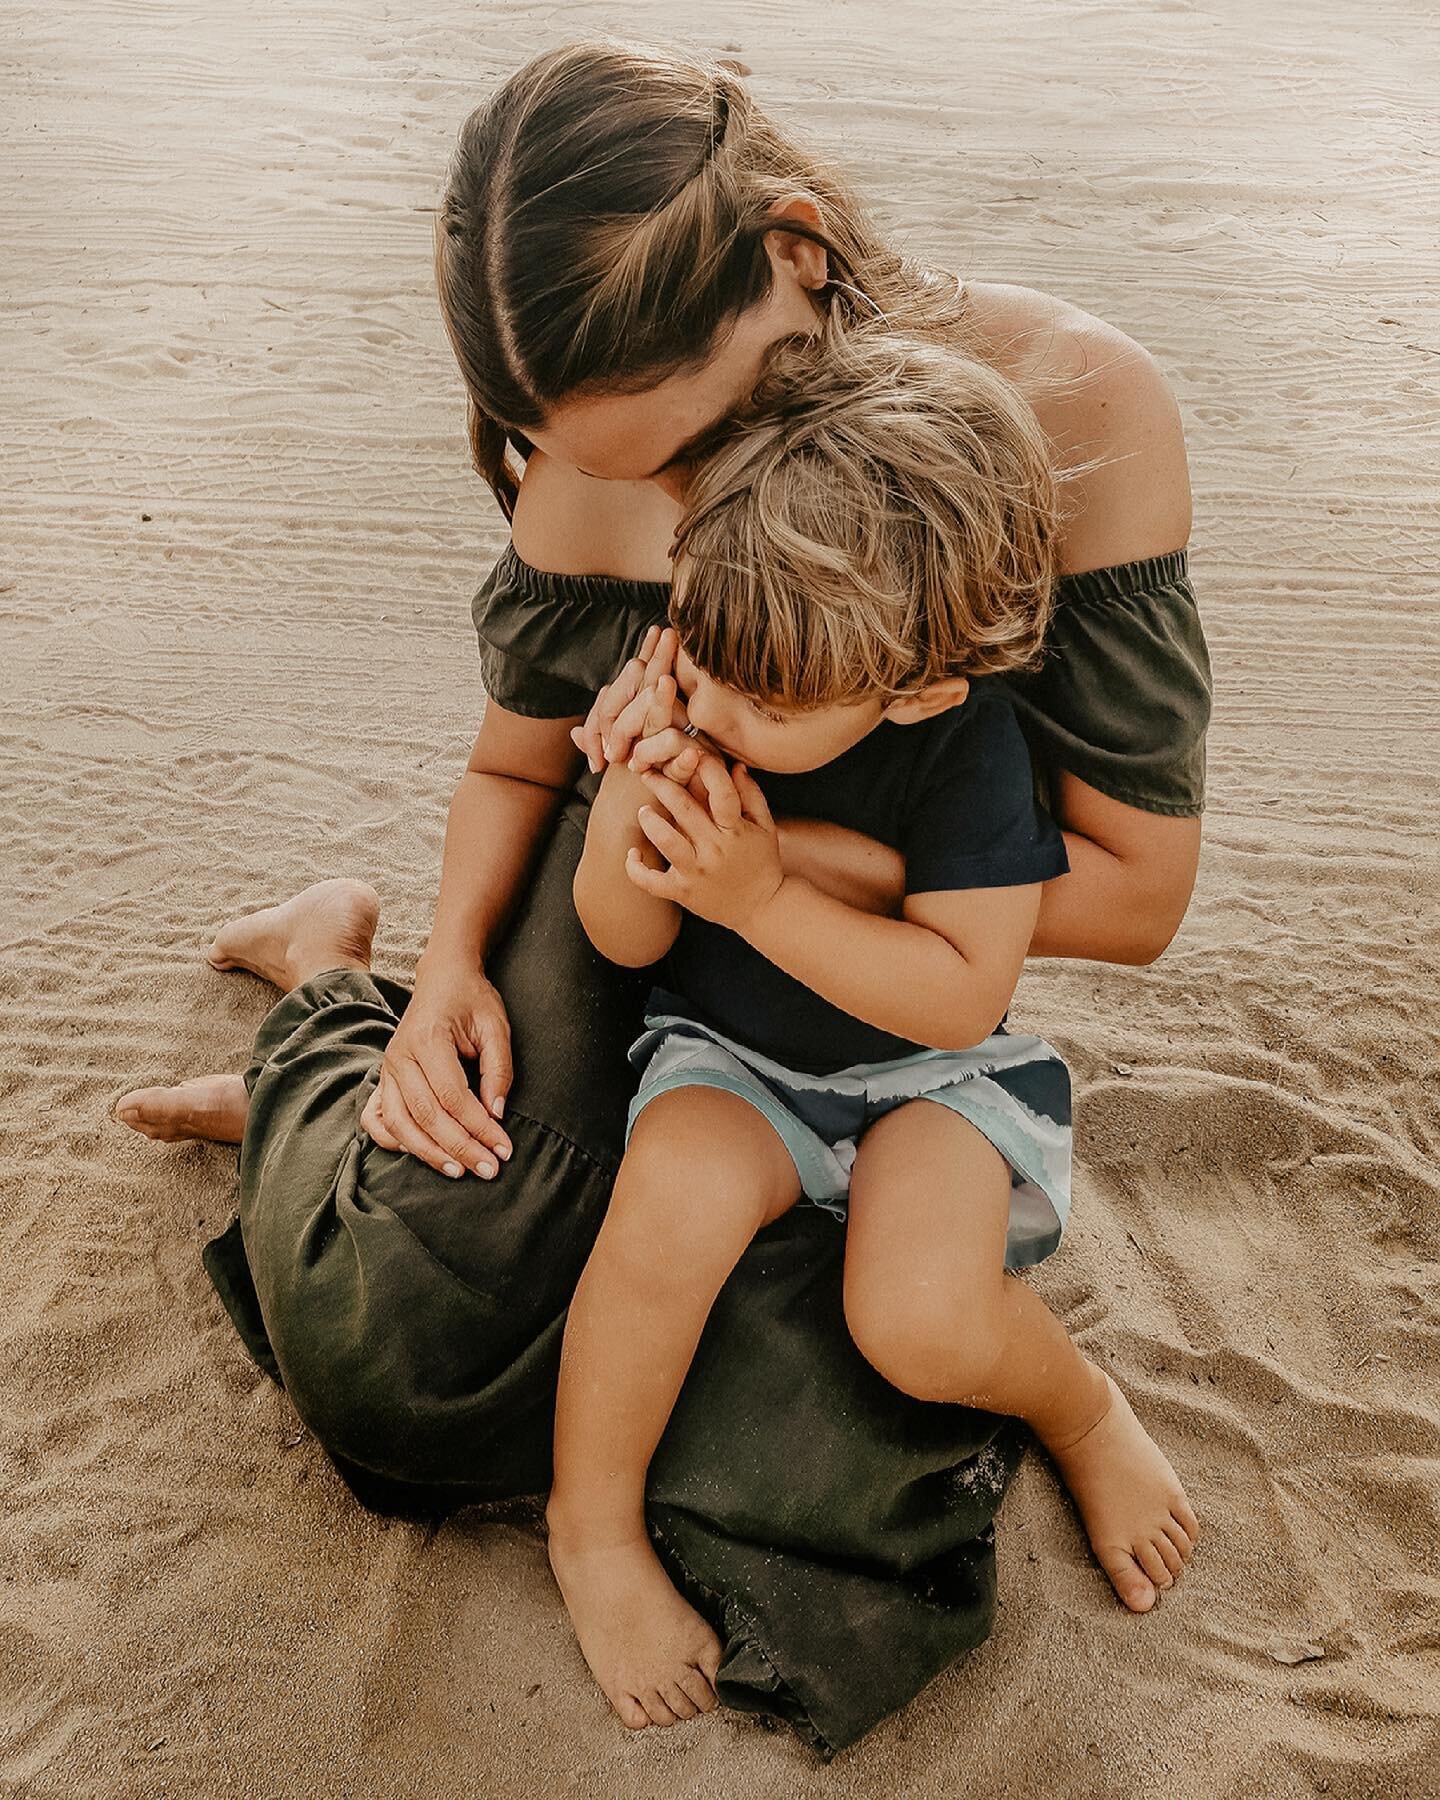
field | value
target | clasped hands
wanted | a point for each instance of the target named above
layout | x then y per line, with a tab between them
707	821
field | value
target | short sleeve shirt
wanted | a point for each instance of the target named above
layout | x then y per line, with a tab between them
953	793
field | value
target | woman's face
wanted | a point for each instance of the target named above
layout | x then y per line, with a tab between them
646	436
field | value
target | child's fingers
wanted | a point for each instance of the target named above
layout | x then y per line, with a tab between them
718	790
659	882
687	812
660	748
673	845
752	800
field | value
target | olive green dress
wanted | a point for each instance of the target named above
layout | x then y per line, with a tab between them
838	1534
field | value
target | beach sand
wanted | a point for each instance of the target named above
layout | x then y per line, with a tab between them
241	538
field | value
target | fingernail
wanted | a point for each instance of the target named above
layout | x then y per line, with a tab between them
453	1170
485	1171
498	1105
504	1154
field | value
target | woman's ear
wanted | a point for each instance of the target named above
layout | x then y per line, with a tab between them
940	696
806	262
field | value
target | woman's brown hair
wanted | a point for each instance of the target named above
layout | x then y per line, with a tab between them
603	226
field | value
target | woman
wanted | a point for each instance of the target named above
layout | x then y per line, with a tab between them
623	238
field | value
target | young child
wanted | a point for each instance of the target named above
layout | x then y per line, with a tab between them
858	561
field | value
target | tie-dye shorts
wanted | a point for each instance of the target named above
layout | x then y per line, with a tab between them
1014	1090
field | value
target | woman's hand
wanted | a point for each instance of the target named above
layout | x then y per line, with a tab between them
624	707
423	1103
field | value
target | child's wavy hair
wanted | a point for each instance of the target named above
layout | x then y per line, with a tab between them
883	514
603	227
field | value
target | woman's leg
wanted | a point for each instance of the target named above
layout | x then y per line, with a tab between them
930	1306
703	1172
331	925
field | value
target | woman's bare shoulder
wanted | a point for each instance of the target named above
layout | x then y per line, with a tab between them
1102	395
571	524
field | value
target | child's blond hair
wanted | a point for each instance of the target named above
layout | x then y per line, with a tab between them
883	514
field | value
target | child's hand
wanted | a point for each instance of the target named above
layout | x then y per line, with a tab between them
725	872
625	706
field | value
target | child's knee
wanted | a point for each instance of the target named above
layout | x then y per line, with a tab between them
929	1342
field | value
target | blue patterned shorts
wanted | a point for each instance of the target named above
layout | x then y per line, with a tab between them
1014	1090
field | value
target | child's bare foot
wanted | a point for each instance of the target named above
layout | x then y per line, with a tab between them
654	1657
211	1106
1141	1526
330	925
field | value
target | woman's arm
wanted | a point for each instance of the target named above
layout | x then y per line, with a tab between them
1131	876
623	922
519	771
422	1102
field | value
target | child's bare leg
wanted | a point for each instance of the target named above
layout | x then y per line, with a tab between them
329	926
702	1173
929	1304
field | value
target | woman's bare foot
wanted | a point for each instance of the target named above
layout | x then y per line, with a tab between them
1141	1526
210	1106
331	925
654	1657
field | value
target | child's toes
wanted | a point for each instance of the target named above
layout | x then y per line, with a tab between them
1180	1538
1147	1554
1130	1581
1170	1556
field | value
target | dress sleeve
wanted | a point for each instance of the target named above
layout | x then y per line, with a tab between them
1122	698
549	642
971	818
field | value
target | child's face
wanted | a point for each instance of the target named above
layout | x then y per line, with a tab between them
760	735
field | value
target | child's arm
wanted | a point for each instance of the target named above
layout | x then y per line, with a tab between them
622	921
942	975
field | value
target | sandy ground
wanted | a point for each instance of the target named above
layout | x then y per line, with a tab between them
241	537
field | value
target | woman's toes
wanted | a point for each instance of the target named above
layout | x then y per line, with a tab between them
700	1690
631	1714
1180	1538
679	1701
660	1713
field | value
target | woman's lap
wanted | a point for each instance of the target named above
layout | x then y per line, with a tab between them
417	1320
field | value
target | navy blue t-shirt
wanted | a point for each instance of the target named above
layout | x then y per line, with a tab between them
953	793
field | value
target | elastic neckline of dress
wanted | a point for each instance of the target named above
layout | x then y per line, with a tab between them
545	577
1112	583
1122	579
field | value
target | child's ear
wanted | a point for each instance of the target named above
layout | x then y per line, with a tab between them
940	696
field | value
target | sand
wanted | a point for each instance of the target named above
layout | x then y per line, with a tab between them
241	538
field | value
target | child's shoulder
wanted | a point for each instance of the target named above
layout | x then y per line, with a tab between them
984	726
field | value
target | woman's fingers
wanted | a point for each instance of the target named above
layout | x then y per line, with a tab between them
373	1122
426	1123
496	1069
402	1133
